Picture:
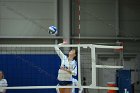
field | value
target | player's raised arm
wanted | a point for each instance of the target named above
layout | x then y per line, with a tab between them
59	52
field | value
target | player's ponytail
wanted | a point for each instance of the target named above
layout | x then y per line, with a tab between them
76	54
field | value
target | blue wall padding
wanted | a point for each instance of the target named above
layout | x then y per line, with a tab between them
30	70
124	80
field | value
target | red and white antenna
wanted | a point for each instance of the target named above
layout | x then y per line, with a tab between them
78	21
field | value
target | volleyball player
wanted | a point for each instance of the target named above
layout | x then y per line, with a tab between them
67	69
3	82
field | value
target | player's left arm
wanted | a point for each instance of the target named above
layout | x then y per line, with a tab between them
74	70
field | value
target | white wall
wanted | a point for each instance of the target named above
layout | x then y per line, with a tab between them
27	17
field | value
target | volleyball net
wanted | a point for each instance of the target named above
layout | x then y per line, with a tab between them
34	68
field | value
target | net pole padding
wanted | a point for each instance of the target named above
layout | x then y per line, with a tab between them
54	87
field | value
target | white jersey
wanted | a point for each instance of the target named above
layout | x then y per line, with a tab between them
65	63
3	83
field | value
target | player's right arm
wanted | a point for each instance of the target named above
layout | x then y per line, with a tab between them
59	52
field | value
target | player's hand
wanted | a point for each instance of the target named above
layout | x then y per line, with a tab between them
64	42
62	68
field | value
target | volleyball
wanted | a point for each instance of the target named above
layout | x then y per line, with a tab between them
53	30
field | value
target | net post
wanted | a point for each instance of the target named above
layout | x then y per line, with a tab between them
79	68
93	60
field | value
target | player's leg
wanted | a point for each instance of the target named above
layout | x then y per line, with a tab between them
62	90
73	90
57	89
68	90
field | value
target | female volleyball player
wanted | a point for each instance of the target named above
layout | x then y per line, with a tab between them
3	82
67	69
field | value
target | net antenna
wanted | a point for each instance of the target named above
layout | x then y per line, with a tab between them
4	49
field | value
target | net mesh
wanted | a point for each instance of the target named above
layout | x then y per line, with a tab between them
37	66
29	67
